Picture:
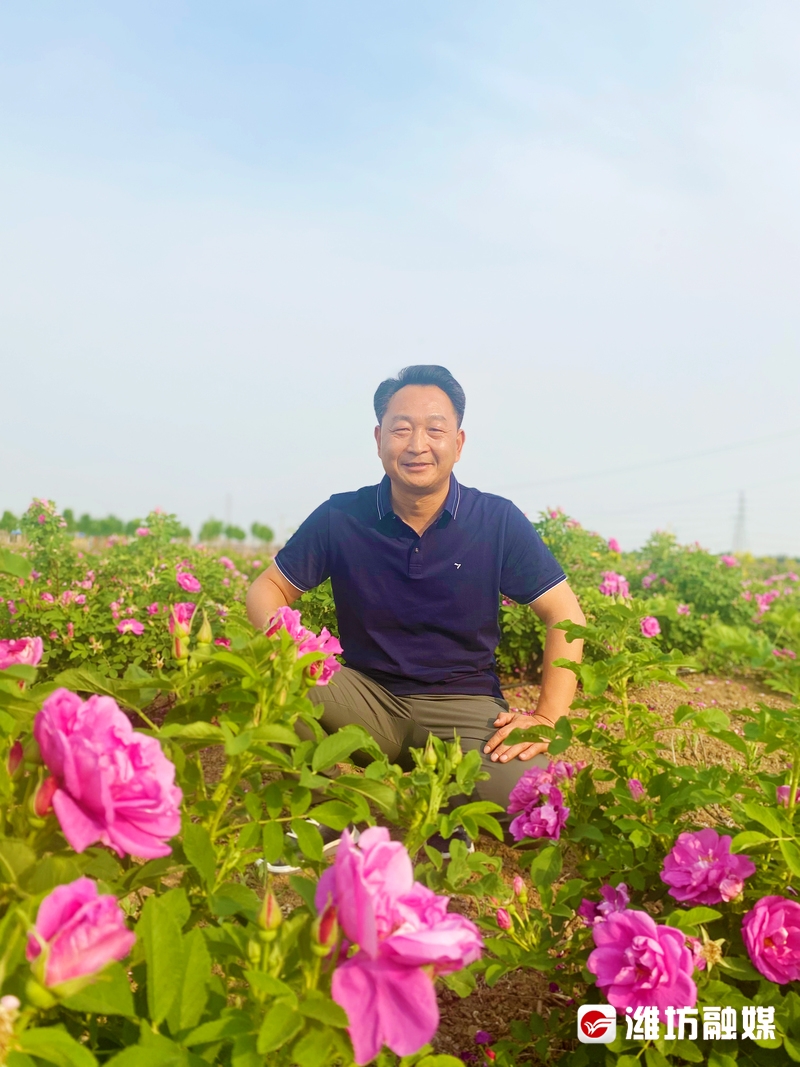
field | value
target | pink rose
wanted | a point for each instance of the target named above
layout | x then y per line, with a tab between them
640	964
781	794
287	619
42	520
771	933
614	899
48	598
142	531
22	650
152	609
649	626
648	580
223	642
180	617
729	561
701	869
636	789
114	785
79	932
614	584
131	626
613	545
403	931
503	919
307	641
544	820
188	582
228	563
683	609
519	886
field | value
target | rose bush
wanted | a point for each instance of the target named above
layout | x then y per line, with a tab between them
646	877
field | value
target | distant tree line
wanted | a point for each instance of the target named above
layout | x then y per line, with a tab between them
211	530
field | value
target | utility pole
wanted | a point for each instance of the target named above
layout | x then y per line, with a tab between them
739	529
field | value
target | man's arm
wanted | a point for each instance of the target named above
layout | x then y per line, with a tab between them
269	592
558	683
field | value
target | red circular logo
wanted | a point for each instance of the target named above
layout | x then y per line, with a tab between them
595	1023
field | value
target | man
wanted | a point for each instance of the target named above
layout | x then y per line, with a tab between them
417	564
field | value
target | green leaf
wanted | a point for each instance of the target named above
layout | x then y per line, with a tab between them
280	1025
194	731
54	1045
333	813
304	888
11	563
687	1050
653	1058
231	1024
267	985
337	747
160	935
721	1059
324	1011
766	816
16	857
685	919
272	841
190	1001
200	852
749	839
546	866
309	839
275	734
382	794
150	1055
792	1051
739	967
594	679
791	853
441	1059
109	994
234	898
312	1049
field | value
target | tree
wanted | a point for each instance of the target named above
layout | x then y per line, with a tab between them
9	522
69	519
262	532
235	533
211	530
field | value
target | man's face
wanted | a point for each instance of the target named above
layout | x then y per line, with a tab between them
419	440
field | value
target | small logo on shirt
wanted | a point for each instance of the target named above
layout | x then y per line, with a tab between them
456	565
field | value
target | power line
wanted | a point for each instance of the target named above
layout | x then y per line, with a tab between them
655	463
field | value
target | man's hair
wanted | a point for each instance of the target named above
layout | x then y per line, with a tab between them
423	374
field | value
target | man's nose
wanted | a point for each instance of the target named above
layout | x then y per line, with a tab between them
417	442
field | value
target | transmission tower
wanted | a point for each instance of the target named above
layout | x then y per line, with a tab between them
739	530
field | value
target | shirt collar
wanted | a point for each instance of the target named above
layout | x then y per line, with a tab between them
384	497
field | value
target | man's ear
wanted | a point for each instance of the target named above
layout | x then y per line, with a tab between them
377	434
460	439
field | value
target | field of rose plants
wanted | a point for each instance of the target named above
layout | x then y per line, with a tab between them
156	751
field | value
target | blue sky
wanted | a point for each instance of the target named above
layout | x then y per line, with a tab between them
223	224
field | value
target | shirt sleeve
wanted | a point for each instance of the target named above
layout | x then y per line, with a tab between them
529	567
305	558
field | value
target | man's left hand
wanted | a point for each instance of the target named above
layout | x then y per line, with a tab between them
508	721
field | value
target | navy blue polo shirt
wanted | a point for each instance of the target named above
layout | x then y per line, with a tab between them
420	614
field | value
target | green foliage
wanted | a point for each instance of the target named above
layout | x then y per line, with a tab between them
211	530
235	533
9	522
262	532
